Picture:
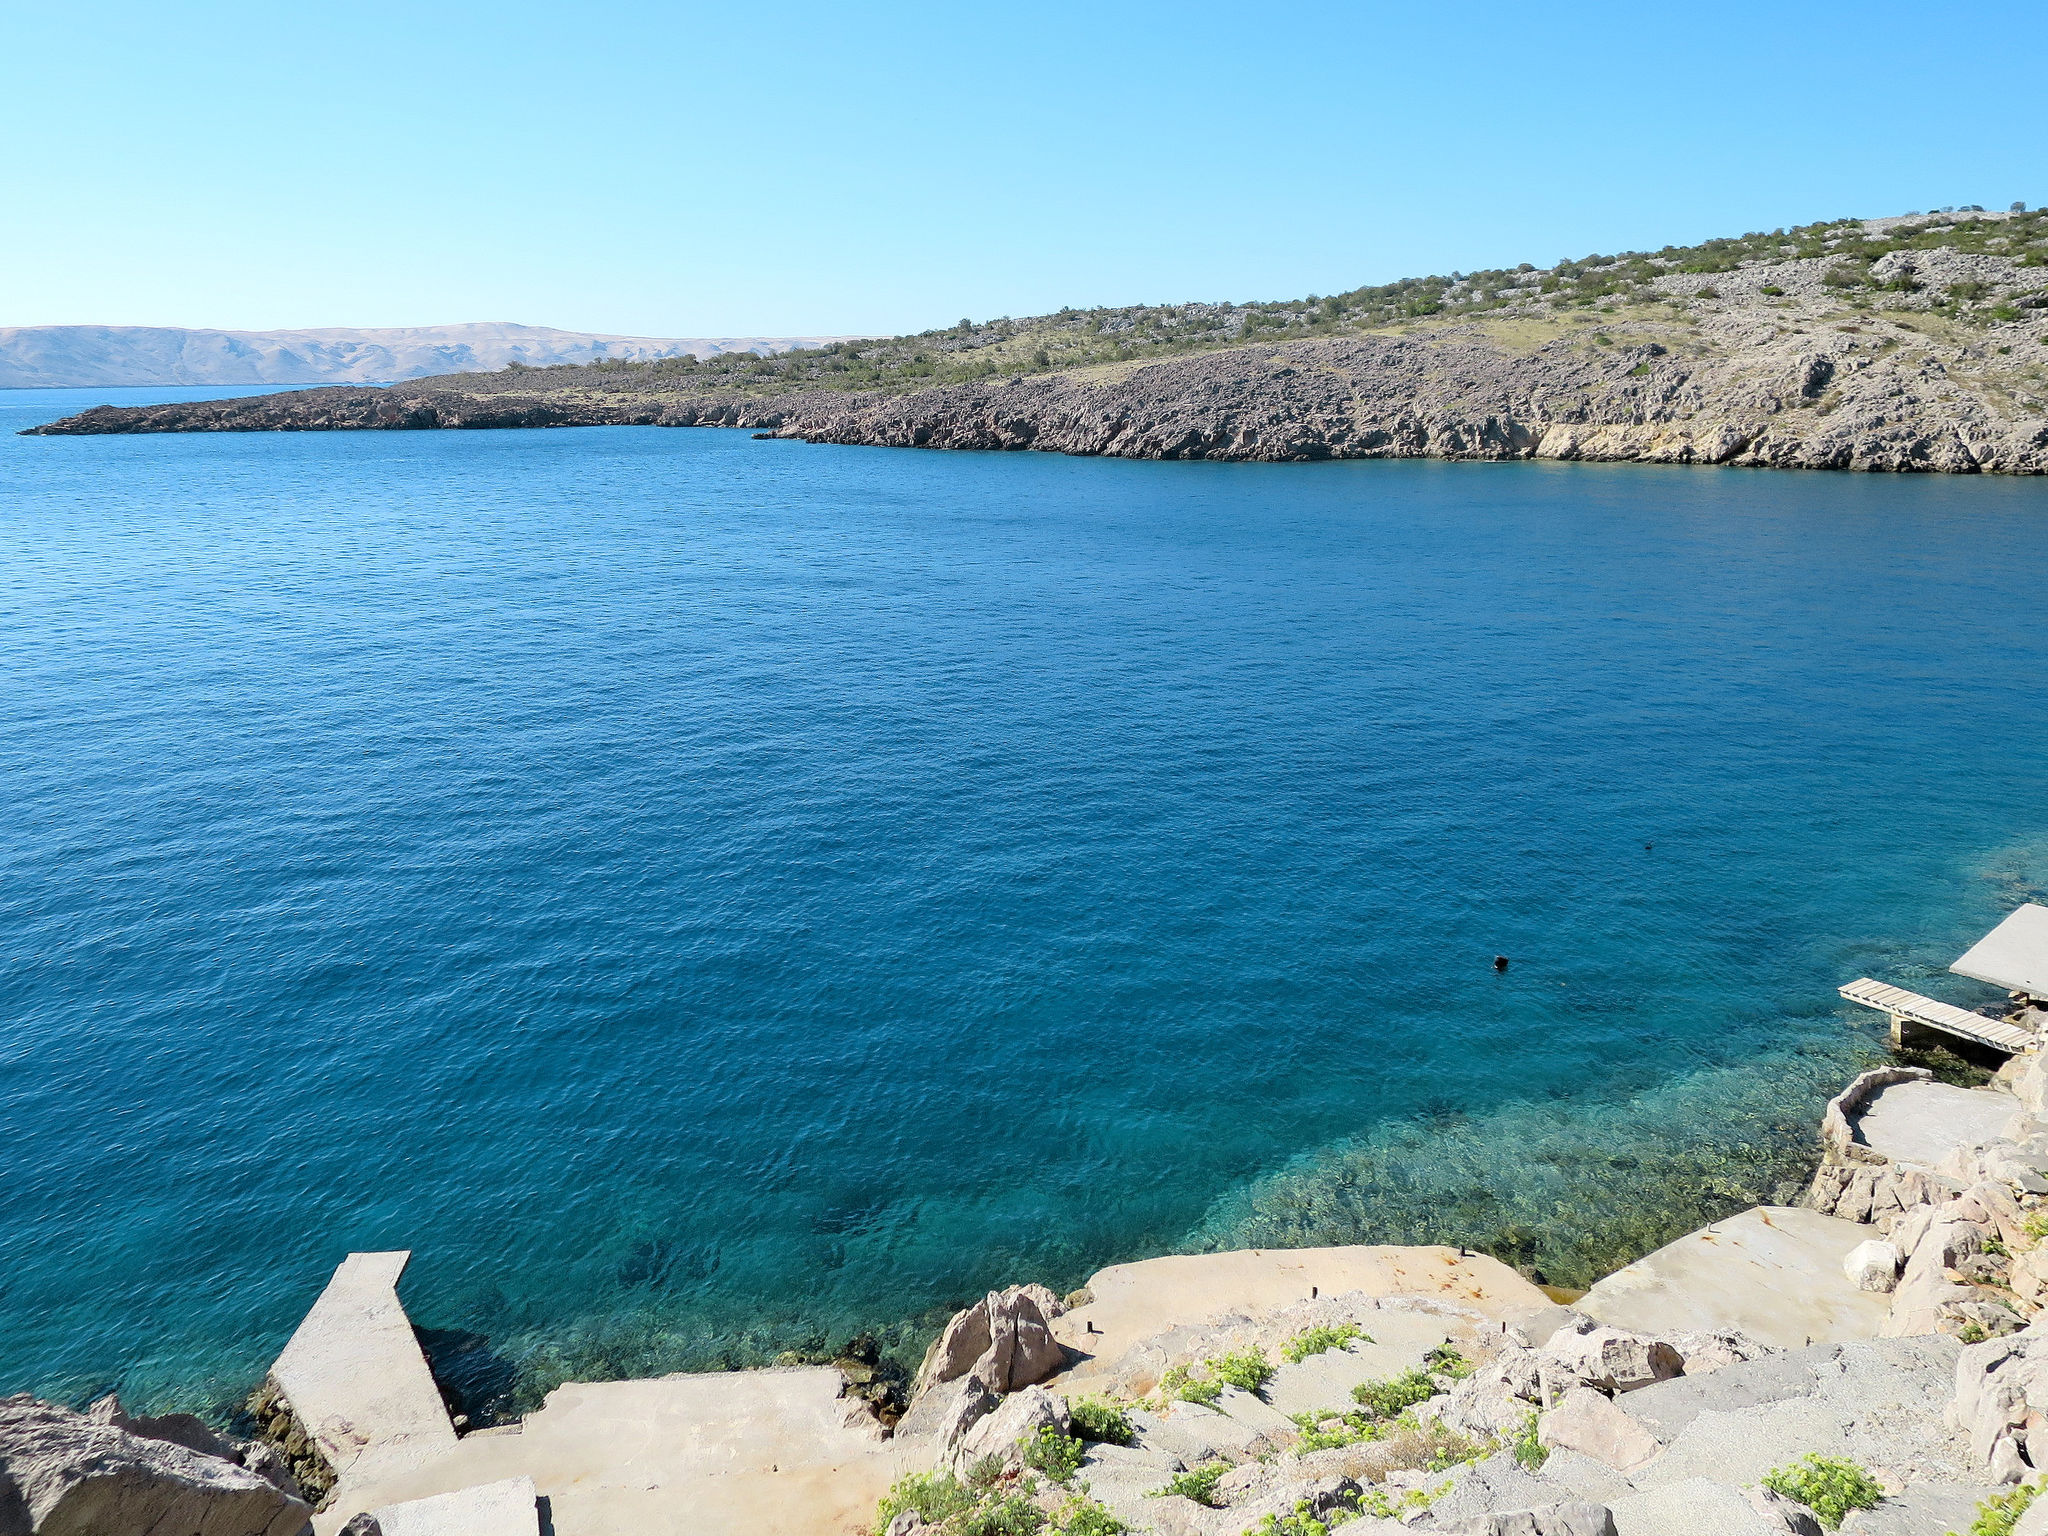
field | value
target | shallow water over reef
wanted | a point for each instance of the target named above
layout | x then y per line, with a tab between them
707	896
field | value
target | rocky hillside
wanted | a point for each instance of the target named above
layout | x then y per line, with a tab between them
1893	344
91	356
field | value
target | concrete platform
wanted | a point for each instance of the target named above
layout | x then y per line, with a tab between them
494	1509
741	1453
354	1374
1135	1302
1918	1124
1774	1272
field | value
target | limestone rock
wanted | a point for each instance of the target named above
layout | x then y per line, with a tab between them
1787	1515
1003	1433
1587	1422
1873	1266
1710	1351
75	1475
1006	1335
1614	1360
1576	1518
907	1523
366	1524
948	1411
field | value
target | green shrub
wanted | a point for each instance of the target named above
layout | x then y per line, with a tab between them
1773	290
1827	1485
1198	1484
1085	1517
1530	1452
936	1496
1248	1370
985	1473
1446	1361
1997	1515
1058	1456
1302	1522
2005	312
1180	1382
1010	1515
1384	1399
1314	1341
1095	1419
1326	1431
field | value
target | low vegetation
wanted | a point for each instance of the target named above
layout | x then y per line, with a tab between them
1203	1382
1095	1419
1076	338
1997	1515
1318	1340
1828	1485
1198	1483
1058	1456
1389	1396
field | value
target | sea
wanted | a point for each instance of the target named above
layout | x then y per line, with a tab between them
710	898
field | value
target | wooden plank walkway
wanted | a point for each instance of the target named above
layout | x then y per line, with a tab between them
1945	1018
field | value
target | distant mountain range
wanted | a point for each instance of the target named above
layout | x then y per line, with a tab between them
86	356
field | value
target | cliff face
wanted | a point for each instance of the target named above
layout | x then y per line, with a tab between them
1768	366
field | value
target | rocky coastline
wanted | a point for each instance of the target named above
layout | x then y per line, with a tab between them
1929	360
1873	1360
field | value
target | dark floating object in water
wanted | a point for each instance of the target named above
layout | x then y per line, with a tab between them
1500	962
1648	846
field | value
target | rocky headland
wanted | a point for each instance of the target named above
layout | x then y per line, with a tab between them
1916	344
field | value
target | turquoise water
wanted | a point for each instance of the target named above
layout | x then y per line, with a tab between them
706	896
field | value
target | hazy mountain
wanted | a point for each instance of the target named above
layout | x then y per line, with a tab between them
59	356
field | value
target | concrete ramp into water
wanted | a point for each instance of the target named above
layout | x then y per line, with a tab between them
355	1377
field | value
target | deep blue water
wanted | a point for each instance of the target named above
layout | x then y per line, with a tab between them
707	895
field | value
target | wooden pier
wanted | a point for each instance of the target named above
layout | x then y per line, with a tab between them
1911	1010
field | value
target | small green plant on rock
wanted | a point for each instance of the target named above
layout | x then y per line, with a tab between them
1330	1431
1446	1361
1302	1521
1530	1452
1828	1485
936	1496
1385	1398
1248	1370
1997	1515
1010	1515
1315	1341
1058	1456
1096	1419
1198	1484
1085	1517
1182	1384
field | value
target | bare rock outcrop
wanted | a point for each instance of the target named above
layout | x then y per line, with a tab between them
64	1473
1006	1337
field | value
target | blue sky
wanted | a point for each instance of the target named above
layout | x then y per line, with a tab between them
683	170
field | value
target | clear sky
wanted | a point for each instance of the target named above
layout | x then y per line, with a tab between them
786	169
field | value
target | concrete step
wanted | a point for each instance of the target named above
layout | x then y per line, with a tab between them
354	1375
491	1509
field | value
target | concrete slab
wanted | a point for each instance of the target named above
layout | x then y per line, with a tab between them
494	1509
738	1453
1921	1123
1135	1302
1773	1271
354	1374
